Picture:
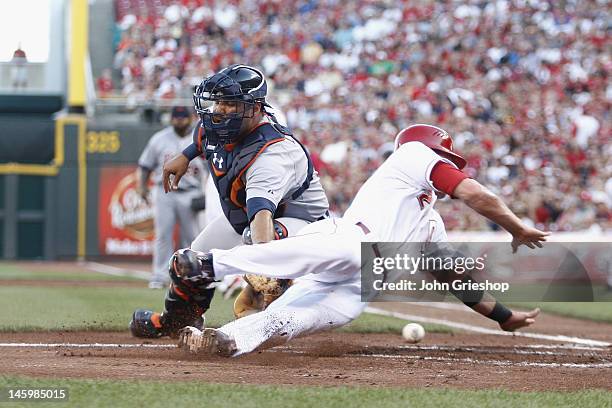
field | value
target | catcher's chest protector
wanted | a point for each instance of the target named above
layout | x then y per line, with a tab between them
227	166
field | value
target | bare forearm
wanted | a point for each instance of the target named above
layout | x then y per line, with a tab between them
484	202
487	204
262	227
492	207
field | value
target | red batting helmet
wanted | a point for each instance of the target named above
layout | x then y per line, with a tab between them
432	137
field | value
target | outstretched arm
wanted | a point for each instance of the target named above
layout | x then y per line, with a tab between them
487	204
476	196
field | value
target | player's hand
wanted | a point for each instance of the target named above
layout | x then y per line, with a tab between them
530	237
519	320
174	169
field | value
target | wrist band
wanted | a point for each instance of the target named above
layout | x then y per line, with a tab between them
500	313
191	152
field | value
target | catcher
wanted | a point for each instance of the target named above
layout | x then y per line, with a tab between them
266	183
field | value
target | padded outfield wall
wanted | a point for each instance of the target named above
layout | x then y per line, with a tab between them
119	223
67	186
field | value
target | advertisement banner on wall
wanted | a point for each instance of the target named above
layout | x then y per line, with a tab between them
125	220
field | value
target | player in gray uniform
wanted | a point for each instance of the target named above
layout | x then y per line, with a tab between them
170	209
267	186
277	173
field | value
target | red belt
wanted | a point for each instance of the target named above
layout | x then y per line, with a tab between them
365	229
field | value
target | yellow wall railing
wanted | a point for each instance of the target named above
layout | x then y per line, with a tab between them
78	39
53	167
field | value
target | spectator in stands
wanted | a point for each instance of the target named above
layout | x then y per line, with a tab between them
19	73
523	86
105	83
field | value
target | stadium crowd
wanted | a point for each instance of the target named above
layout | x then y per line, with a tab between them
521	84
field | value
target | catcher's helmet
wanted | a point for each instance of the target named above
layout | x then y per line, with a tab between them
236	83
432	137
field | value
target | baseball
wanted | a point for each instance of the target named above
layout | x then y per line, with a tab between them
413	332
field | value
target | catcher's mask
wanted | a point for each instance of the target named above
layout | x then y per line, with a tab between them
238	86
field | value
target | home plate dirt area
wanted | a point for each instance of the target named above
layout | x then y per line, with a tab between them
556	354
459	360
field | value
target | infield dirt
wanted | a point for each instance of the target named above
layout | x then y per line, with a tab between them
458	360
332	359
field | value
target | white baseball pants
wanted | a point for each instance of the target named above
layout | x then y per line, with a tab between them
324	260
219	233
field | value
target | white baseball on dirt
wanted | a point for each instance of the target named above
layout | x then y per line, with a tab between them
413	332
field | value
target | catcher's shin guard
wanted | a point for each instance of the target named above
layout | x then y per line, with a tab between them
179	312
190	294
184	309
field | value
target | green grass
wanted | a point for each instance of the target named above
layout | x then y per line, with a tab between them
32	308
109	308
555	292
17	271
597	311
29	308
105	393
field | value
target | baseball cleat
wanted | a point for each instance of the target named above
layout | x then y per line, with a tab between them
207	341
145	324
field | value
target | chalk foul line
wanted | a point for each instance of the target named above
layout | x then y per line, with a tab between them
484	330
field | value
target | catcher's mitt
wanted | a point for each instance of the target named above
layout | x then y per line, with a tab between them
270	288
258	294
